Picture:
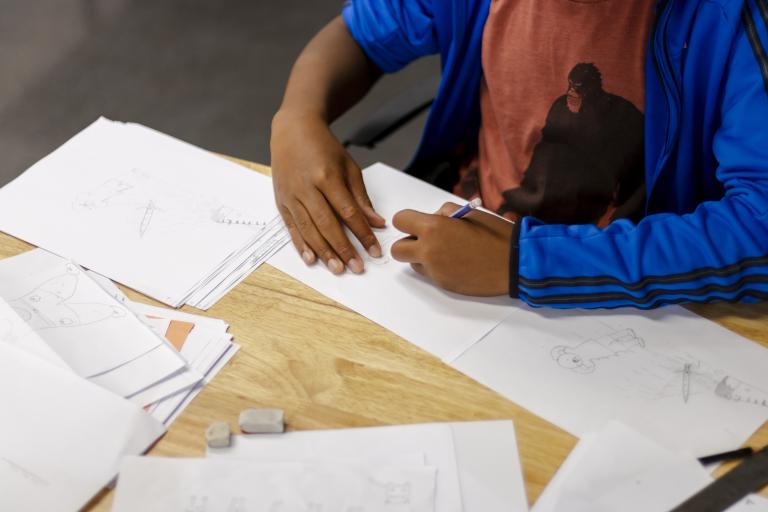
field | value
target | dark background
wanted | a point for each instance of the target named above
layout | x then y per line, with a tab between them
210	72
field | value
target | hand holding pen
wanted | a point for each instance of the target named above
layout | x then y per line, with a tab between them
469	257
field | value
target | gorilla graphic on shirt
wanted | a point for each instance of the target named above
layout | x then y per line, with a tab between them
589	160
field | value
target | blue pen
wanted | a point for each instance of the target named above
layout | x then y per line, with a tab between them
475	203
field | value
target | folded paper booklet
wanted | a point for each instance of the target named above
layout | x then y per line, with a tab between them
94	334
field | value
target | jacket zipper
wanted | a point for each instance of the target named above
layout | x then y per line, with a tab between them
663	69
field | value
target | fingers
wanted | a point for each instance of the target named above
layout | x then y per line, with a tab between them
419	268
412	222
350	213
405	250
307	254
447	209
310	232
357	187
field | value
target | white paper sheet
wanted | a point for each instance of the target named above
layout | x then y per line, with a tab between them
350	445
225	485
391	293
14	331
617	468
150	377
477	465
61	437
159	215
679	379
752	503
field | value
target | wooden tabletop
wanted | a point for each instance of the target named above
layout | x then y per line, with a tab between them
329	367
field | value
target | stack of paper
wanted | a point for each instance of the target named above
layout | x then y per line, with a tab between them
616	468
61	437
446	467
147	210
391	293
202	341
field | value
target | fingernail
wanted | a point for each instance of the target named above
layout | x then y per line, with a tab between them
377	216
355	265
308	257
375	251
335	266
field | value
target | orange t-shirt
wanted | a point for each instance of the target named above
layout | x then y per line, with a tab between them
561	99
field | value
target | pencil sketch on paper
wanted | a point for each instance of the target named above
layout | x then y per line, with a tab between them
397	494
652	374
583	357
52	304
146	219
232	217
101	196
141	199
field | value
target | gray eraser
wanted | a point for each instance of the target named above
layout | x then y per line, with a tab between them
218	435
262	421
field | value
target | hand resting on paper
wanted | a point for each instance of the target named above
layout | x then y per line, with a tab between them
318	189
468	256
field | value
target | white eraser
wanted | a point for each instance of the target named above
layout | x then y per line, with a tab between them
262	421
218	435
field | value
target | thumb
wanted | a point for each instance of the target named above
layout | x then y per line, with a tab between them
447	209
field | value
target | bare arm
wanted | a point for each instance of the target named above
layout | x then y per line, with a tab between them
318	187
330	75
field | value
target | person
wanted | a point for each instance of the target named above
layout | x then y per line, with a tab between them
627	140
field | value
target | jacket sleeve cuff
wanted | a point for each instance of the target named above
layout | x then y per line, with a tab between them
514	261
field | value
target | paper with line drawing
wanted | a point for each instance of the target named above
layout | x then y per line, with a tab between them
390	293
149	211
229	485
92	332
679	379
14	331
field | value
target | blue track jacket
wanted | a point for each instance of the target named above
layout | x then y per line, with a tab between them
705	234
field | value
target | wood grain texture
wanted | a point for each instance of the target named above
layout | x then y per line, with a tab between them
329	367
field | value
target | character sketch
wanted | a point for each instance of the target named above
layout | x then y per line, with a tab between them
655	376
583	357
50	305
